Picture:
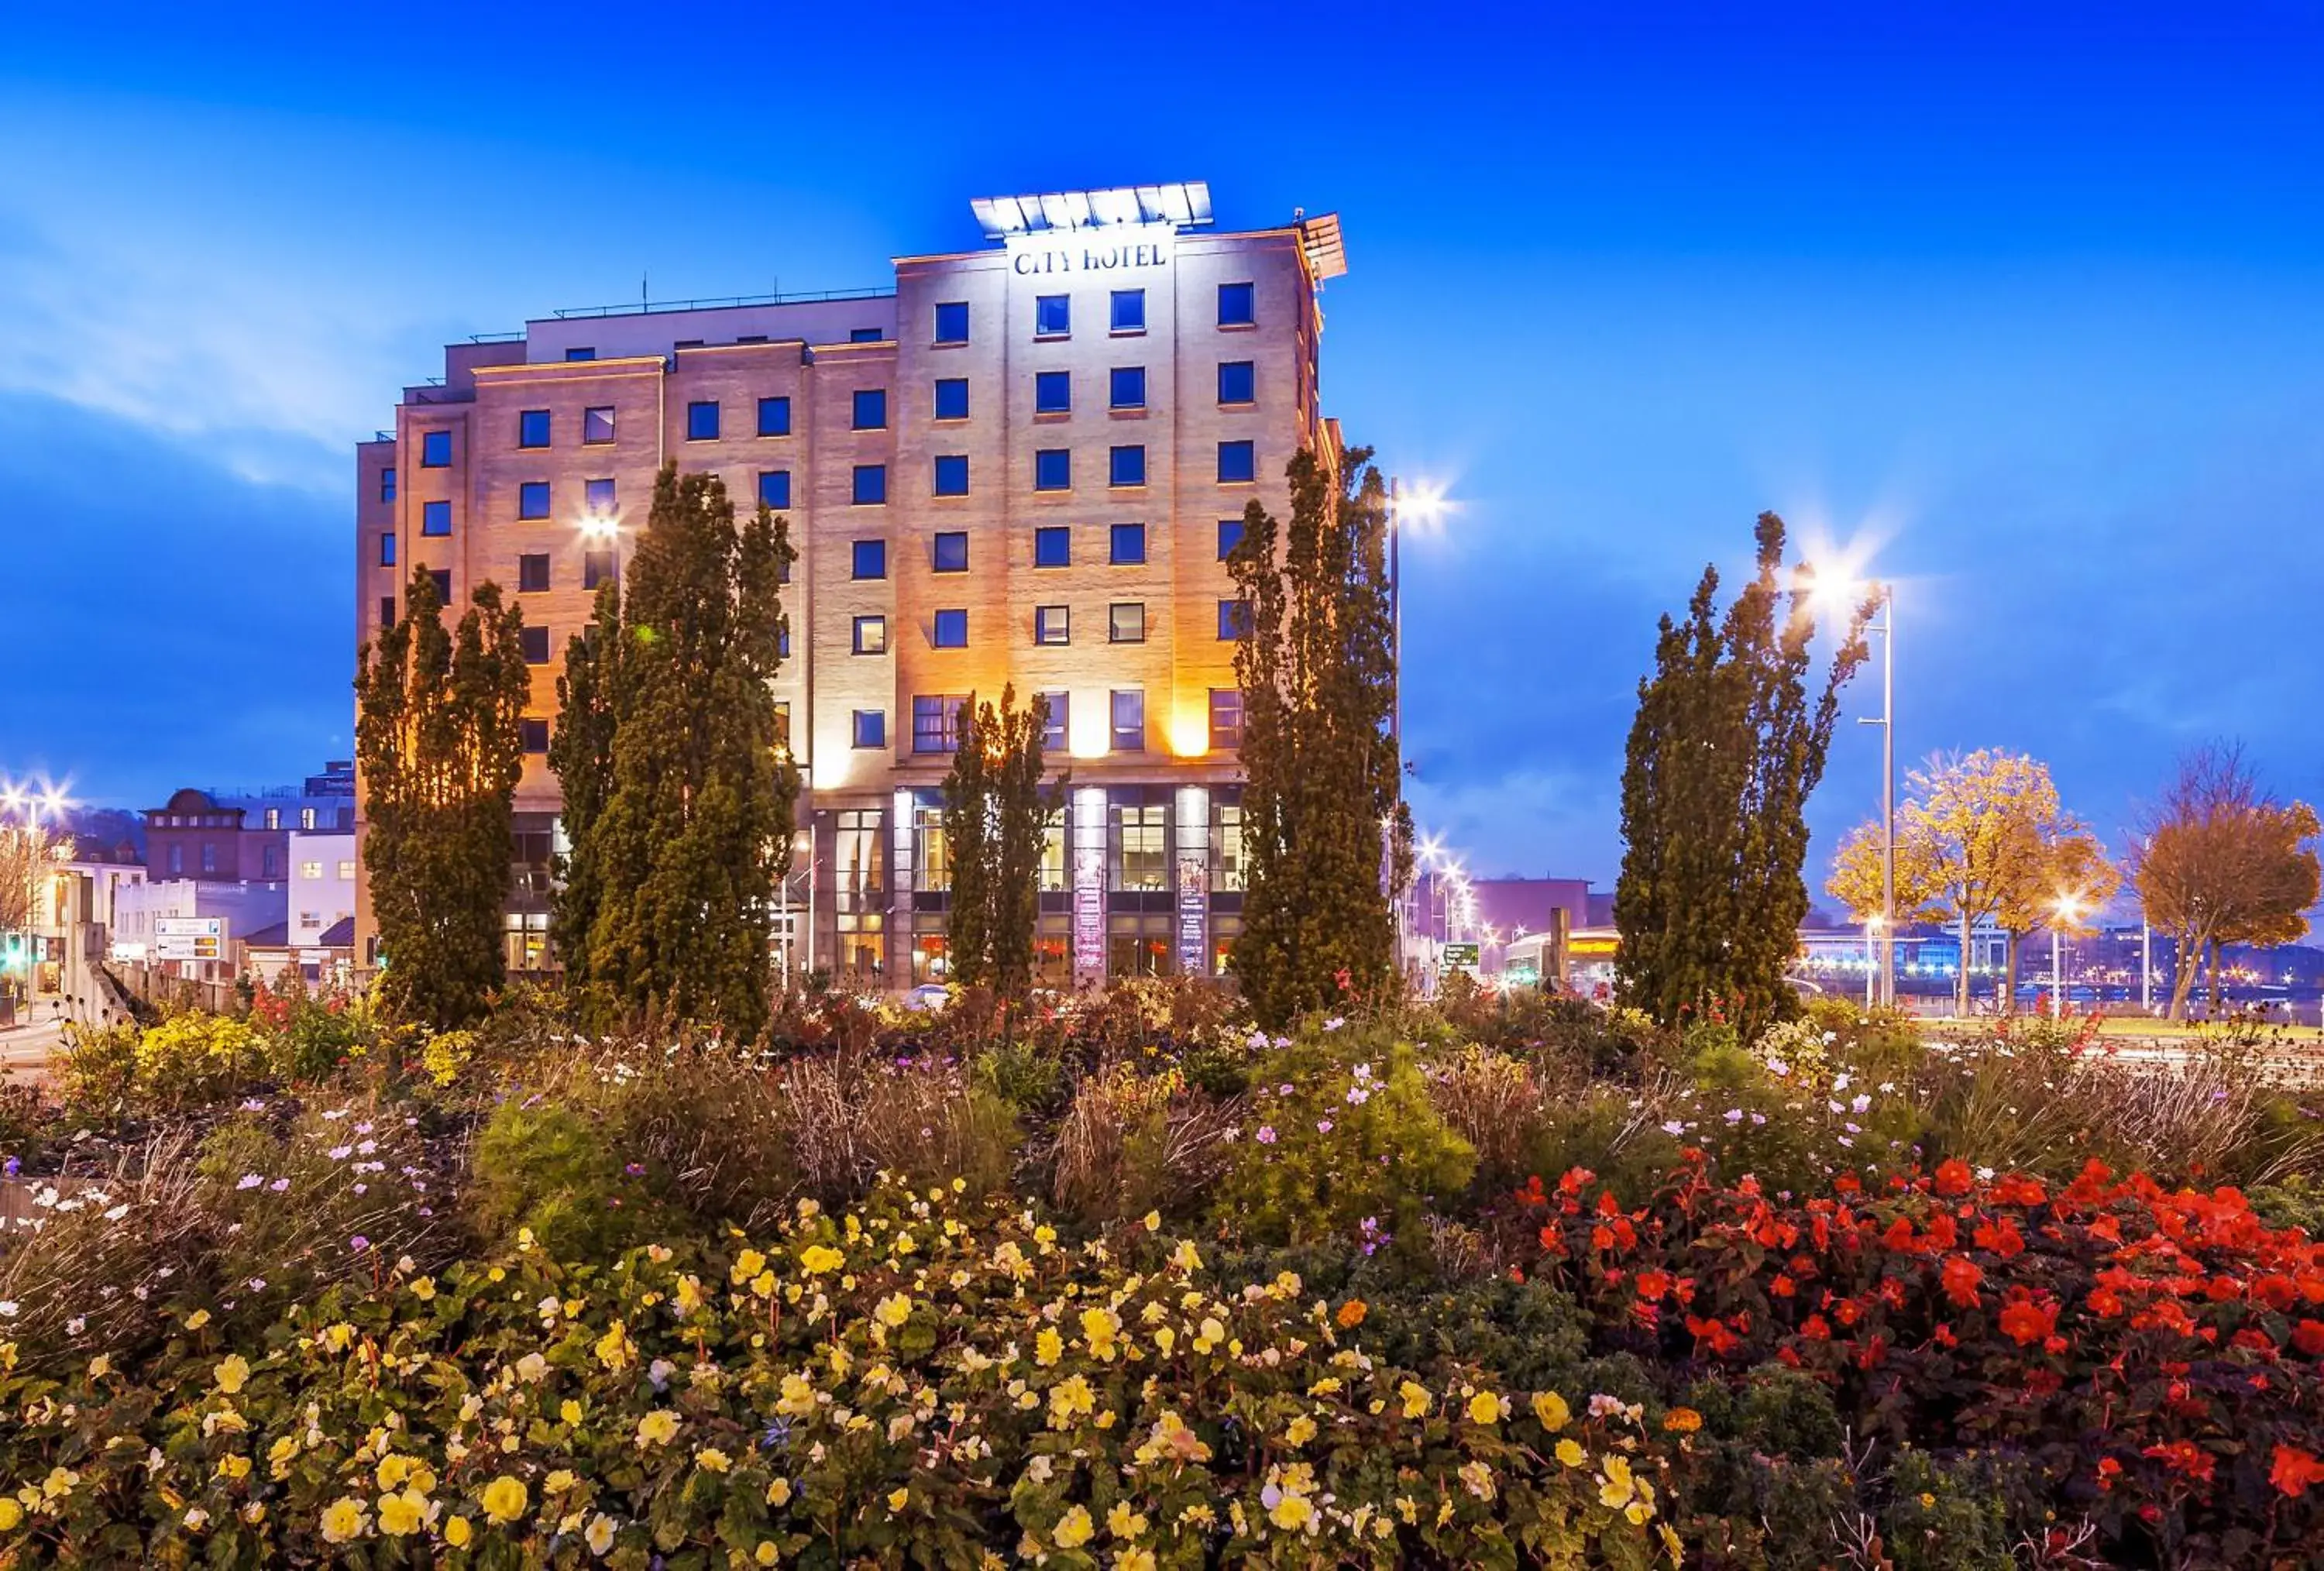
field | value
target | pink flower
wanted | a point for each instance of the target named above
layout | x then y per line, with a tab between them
1266	1134
1322	1126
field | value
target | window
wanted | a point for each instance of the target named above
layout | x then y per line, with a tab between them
1128	720
948	552
532	428
870	636
436	449
274	818
1238	382
1237	461
1237	308
951	630
1052	624
1053	546
1053	469
535	734
536	645
387	484
869	560
346	872
597	424
597	498
1125	466
1230	536
775	417
176	859
386	612
532	499
871	485
936	722
1138	857
596	567
702	420
951	398
870	727
442	578
581	351
952	475
387	550
783	723
1226	717
1234	620
1129	310
1052	315
209	857
952	321
866	335
775	488
532	572
1053	393
1053	731
871	408
1128	387
1126	622
1128	541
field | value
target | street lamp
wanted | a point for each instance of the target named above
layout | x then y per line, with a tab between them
1874	925
1847	596
2068	909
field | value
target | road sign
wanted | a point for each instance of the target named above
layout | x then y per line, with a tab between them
1463	955
189	938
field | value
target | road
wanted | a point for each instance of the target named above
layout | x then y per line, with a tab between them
24	1049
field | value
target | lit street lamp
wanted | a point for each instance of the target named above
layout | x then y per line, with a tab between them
1846	595
2069	910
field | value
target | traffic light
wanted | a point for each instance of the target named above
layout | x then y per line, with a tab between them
12	953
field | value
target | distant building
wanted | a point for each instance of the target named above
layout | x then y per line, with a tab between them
194	929
231	836
322	885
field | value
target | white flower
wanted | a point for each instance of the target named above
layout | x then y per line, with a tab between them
1673	1127
7	1308
1334	1023
117	1214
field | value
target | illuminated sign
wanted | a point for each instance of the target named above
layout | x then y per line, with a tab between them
1088	833
1041	256
189	938
1461	955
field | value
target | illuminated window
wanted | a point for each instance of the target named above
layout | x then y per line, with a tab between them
209	857
1052	392
1128	719
952	321
1140	848
1230	536
775	488
387	550
949	552
535	734
1053	469
870	727
435	518
871	408
1053	546
936	722
870	636
952	475
868	559
597	497
532	499
1234	620
775	417
532	428
1237	306
436	449
536	645
871	485
1128	387
596	567
1129	310
702	420
1052	315
346	872
1238	382
1237	461
951	398
783	723
950	629
1233	865
1053	728
1052	624
1126	622
1226	717
597	424
532	572
1125	466
1129	543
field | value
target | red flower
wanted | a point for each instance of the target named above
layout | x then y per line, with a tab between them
1961	1277
1652	1285
1954	1177
2294	1471
2308	1337
2025	1322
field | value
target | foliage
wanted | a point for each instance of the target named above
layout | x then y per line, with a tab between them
27	849
439	747
96	1067
1323	809
688	794
192	1057
1130	1143
995	813
1726	749
581	756
543	1170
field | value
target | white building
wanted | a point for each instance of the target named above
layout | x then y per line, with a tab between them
151	925
322	885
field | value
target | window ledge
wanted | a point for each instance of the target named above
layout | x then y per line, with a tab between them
1141	413
1238	327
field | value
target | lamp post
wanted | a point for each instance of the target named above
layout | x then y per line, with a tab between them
1873	925
1846	595
26	806
2068	908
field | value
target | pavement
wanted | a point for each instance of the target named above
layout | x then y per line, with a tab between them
25	1049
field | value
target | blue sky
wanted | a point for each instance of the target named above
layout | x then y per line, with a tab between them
2032	301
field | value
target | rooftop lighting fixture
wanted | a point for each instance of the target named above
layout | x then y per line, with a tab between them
1181	202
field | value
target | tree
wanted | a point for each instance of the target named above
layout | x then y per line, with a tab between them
26	852
675	862
996	811
1726	748
2220	860
2059	875
1325	827
581	755
439	744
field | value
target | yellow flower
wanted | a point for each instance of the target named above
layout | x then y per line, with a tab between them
558	1481
423	1288
1570	1452
1485	1408
1618	1489
600	1536
615	1348
1186	1257
1154	1222
1478	1479
1047	1347
1551	1410
1212	1334
1682	1420
402	1512
779	1494
569	1410
819	1260
506	1498
899	1499
99	1367
1301	1430
11	1513
235	1465
1099	1328
1291	1512
1073	1529
344	1518
1124	1523
1417	1400
232	1374
747	1265
198	1319
1134	1560
893	1310
1070	1399
457	1532
711	1459
660	1426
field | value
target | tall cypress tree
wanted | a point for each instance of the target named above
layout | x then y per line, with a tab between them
1326	833
1724	751
439	741
681	857
970	844
582	755
996	810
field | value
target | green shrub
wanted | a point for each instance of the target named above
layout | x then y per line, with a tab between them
1945	1516
542	1166
1027	1075
1131	1143
191	1058
96	1070
1618	1137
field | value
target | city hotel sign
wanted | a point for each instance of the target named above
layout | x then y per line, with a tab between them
1111	249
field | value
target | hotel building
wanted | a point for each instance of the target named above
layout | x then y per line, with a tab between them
1023	463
